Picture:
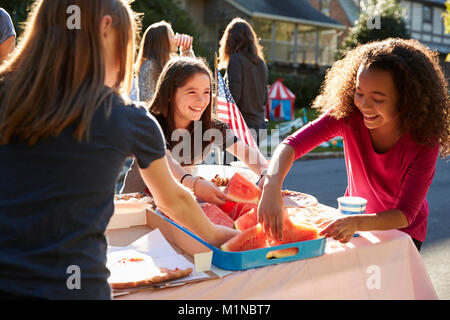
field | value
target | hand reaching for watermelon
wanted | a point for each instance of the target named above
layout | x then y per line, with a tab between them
271	213
209	192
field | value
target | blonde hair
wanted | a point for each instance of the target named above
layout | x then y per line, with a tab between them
56	75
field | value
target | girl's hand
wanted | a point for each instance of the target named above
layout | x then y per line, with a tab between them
271	212
209	192
341	229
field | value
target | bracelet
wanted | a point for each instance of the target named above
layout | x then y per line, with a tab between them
187	174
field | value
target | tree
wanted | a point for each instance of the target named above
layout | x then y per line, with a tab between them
379	20
151	10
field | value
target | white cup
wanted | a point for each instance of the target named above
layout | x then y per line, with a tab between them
352	205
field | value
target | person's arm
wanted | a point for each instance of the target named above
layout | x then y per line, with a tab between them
204	190
271	208
252	157
414	188
344	228
6	48
179	204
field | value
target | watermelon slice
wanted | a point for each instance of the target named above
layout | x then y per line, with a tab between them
253	238
246	221
240	190
228	206
295	231
242	208
216	215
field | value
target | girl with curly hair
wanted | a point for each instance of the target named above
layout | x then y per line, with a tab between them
389	101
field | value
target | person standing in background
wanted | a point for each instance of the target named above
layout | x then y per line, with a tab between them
158	45
246	72
7	35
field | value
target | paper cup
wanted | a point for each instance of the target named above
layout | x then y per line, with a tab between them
352	205
183	40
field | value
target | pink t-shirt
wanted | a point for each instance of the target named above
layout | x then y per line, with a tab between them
398	179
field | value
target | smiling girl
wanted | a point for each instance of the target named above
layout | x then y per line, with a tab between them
389	102
183	107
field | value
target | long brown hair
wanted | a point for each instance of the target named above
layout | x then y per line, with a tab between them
176	74
155	45
420	83
239	36
56	75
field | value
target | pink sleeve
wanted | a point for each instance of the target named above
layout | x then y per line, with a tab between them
416	182
313	134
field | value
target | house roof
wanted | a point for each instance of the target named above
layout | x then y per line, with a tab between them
296	11
351	10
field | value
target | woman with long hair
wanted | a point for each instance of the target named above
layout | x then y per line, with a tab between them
246	72
65	133
183	107
158	45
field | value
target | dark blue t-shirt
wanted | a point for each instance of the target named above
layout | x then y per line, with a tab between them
56	199
6	26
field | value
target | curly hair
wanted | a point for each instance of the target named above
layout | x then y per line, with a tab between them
420	83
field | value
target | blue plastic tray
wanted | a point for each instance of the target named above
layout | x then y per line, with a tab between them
257	258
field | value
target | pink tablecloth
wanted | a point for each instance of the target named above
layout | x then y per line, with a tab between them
376	265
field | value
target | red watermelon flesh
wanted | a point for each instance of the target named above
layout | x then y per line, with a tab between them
216	215
242	208
246	221
295	231
252	238
240	190
228	206
255	238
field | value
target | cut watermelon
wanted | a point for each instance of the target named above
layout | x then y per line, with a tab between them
216	215
295	231
228	206
242	208
246	221
241	190
253	238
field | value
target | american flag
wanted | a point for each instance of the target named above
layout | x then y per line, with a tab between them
228	112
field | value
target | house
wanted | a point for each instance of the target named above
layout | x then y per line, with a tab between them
294	34
424	20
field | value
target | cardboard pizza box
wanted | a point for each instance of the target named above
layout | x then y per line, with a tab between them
201	254
127	214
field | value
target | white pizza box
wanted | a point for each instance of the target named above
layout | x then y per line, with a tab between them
201	254
127	214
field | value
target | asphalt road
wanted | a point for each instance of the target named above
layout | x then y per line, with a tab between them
326	179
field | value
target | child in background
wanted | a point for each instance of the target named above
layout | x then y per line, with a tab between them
158	45
389	101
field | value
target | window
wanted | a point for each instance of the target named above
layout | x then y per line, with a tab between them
325	7
427	14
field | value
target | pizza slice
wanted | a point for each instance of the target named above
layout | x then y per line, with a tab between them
133	270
